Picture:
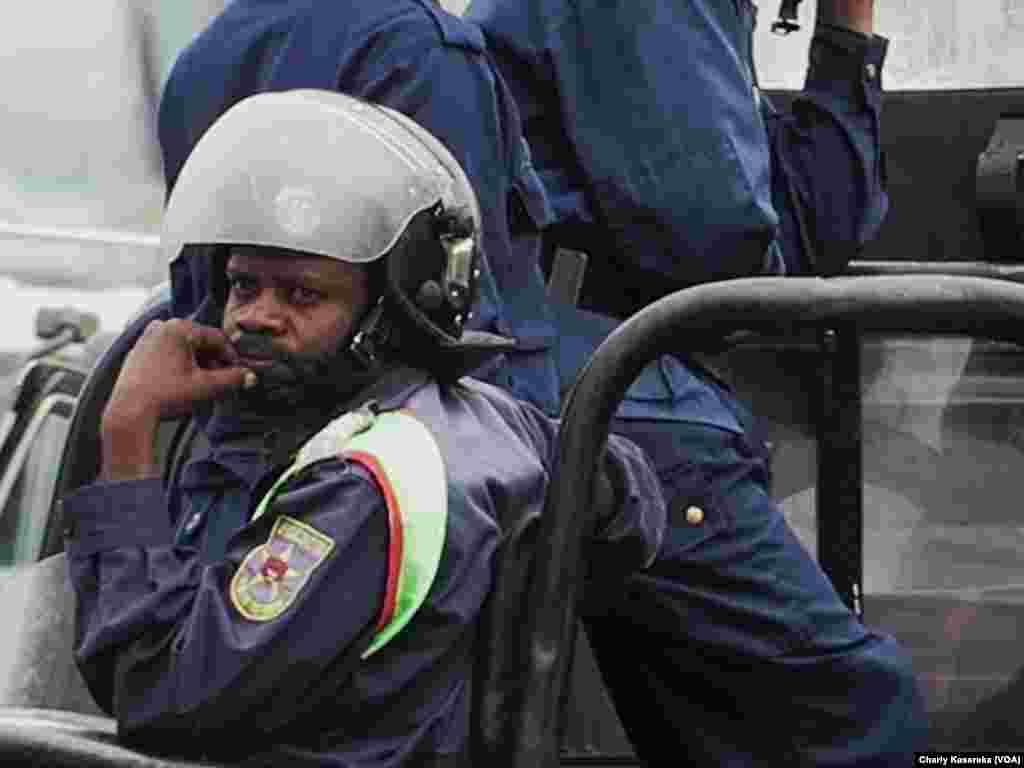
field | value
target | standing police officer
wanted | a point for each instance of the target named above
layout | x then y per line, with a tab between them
308	590
663	162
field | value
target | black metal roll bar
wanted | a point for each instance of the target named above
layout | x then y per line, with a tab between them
1013	271
523	689
520	688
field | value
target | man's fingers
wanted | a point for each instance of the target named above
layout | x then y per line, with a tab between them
211	345
214	382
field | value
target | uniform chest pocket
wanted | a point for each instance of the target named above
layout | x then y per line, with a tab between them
696	511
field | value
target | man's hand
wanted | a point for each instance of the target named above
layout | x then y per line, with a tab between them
173	366
857	15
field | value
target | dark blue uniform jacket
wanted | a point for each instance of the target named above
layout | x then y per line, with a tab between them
653	140
608	93
166	651
645	117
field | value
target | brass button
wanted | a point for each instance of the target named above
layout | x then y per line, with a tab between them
694	515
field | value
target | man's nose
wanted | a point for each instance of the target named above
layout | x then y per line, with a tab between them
261	314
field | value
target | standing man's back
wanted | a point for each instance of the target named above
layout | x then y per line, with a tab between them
668	167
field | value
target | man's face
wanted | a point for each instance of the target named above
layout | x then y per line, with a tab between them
287	314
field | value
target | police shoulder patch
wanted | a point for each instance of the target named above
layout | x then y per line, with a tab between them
271	576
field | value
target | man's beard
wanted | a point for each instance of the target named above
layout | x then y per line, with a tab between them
292	380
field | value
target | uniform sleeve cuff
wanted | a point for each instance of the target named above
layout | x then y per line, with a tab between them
105	516
846	65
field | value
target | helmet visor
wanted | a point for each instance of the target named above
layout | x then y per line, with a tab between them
310	171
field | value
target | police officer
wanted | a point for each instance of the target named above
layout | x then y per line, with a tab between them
416	58
307	590
663	161
410	55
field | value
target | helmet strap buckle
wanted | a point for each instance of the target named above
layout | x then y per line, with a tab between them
457	237
373	334
459	272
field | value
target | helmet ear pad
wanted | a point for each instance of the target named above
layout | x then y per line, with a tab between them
415	279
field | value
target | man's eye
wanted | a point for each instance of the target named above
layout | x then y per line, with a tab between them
242	285
305	296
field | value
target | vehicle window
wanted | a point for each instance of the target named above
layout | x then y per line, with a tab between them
81	189
934	44
943	454
24	516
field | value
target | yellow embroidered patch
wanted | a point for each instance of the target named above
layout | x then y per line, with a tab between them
271	576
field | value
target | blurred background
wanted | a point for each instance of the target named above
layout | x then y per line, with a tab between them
80	179
79	152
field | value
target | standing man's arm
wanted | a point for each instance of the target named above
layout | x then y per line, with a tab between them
828	182
856	15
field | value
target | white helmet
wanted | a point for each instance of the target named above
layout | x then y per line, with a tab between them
324	173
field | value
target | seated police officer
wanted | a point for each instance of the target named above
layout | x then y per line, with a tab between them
307	591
